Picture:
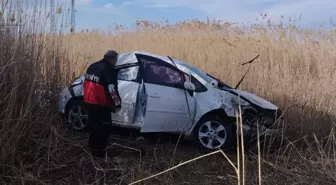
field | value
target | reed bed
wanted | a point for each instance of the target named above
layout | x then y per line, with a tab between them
295	70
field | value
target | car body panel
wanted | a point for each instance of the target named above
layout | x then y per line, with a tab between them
213	100
126	58
167	109
128	91
63	100
78	90
140	110
255	99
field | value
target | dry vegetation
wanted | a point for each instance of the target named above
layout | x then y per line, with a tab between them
295	70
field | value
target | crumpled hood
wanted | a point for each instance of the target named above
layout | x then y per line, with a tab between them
254	99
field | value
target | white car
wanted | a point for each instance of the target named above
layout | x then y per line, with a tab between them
161	94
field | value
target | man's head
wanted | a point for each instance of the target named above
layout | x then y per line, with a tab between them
111	56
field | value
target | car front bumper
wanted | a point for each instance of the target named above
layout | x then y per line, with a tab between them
271	123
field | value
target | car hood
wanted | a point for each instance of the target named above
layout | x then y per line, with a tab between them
254	99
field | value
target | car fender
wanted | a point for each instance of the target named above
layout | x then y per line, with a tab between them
77	90
212	101
76	87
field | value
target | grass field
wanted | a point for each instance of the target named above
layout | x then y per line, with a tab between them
295	70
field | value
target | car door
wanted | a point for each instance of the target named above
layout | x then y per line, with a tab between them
166	102
128	86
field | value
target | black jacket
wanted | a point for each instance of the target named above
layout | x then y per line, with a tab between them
101	85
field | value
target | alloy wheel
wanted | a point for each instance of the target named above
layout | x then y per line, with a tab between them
78	117
212	134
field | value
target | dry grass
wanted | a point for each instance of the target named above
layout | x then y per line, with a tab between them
293	74
295	70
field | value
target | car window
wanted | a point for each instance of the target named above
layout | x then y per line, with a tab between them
199	87
128	74
162	75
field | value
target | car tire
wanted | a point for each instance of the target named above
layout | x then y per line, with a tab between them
223	137
76	115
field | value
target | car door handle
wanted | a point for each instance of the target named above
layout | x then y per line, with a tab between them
154	96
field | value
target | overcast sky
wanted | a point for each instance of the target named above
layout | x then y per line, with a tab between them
103	13
99	13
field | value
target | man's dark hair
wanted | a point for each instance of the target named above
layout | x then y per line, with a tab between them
110	54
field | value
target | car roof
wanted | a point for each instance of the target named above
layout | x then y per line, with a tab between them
130	57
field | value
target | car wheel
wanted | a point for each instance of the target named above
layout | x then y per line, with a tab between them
213	132
77	115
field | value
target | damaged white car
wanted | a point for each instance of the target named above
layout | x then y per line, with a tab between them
161	94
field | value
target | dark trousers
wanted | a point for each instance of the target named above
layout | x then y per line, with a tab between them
99	129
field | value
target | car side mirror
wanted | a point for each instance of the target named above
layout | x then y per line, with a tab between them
214	83
189	86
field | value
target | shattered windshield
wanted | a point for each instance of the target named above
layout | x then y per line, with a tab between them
220	83
198	72
207	77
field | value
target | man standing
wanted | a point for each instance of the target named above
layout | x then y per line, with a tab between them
101	97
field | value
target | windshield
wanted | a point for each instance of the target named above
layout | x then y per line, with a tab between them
220	83
198	72
207	77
